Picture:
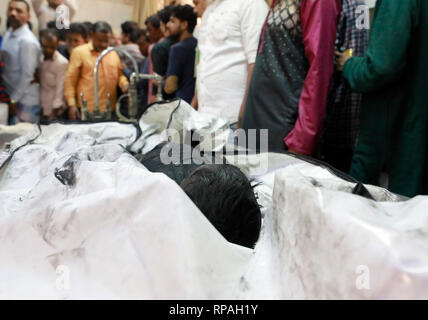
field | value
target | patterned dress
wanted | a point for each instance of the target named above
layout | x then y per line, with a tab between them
289	88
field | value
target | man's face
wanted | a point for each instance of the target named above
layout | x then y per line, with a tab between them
54	3
165	30
176	27
144	45
101	41
153	33
49	47
74	40
200	6
125	39
17	14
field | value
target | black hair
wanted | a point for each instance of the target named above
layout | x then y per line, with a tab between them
165	14
62	33
101	26
185	13
48	34
154	21
143	33
24	1
221	191
89	25
131	28
79	28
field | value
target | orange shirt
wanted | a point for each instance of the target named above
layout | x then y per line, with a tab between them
81	78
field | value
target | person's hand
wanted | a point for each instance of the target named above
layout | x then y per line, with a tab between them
73	113
194	103
125	88
36	77
12	108
341	60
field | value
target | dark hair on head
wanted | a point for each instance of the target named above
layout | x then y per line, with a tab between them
154	21
185	13
225	196
143	33
79	28
131	28
48	34
165	14
89	25
221	191
25	2
62	33
101	26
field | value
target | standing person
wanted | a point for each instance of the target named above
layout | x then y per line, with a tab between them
342	121
129	38
229	36
53	70
47	12
289	89
199	8
81	76
21	56
180	77
77	35
155	34
160	52
4	99
393	77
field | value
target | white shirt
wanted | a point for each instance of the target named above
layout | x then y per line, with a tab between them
52	79
21	55
46	14
228	43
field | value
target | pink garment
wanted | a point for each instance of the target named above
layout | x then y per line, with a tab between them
319	25
150	91
52	79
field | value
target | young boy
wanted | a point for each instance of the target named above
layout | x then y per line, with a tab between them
53	71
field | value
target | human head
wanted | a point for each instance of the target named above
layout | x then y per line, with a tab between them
220	191
143	42
200	6
115	40
49	42
62	33
76	36
101	33
18	13
182	19
164	16
153	28
89	25
129	32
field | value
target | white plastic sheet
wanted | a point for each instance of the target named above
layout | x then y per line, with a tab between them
81	218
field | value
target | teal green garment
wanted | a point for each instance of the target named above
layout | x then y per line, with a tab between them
394	79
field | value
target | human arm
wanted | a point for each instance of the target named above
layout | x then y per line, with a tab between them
386	57
71	81
30	59
319	26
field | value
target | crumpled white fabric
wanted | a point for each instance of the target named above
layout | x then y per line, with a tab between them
80	218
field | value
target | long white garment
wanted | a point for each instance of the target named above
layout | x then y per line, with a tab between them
228	42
